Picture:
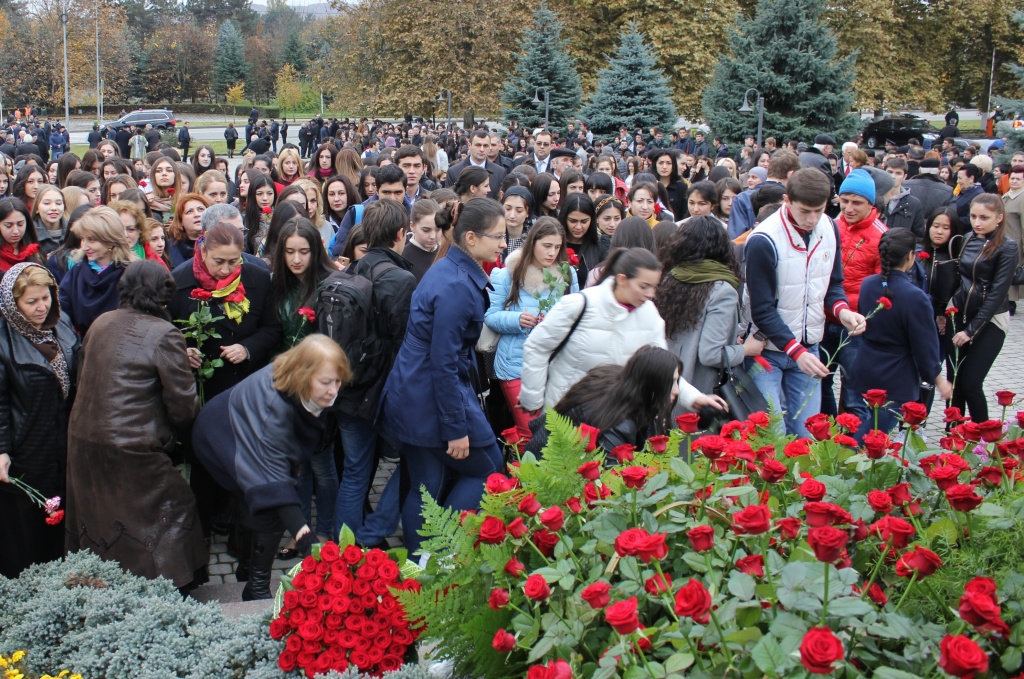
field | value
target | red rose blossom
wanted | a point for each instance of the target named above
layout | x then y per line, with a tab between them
880	501
201	295
885	302
914	413
773	471
820	650
623	453
752	520
511	436
658	583
827	542
499	483
536	588
812	490
503	642
848	421
634	477
590	435
702	538
591	471
789	527
499	598
688	422
797	448
919	560
514	567
596	594
876	443
552	518
529	505
545	541
622	616
659	444
963	497
1005	398
893	530
819	426
962	657
55	518
875	398
492	531
574	505
517	528
751	565
693	601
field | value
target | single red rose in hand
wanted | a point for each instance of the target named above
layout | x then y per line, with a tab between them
511	436
789	527
517	528
751	565
623	453
553	518
634	477
773	471
919	560
827	542
591	471
914	413
819	426
529	505
693	601
885	302
797	448
702	538
589	435
201	295
820	650
267	210
572	258
962	656
963	497
596	594
876	443
498	599
503	642
659	444
536	588
893	530
1005	398
952	310
170	191
752	520
688	422
658	583
880	501
848	421
622	616
813	490
493	531
875	398
307	314
923	254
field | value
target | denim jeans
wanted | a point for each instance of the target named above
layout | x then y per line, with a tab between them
321	474
432	468
844	360
786	388
359	442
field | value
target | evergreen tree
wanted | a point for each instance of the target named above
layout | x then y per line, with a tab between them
229	59
631	91
543	62
294	53
789	55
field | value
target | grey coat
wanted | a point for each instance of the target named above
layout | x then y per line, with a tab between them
701	348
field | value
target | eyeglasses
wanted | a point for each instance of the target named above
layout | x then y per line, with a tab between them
499	236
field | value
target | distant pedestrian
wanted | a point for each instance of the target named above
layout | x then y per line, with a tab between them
231	136
184	139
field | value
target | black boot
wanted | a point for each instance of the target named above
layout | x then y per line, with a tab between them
243	545
264	548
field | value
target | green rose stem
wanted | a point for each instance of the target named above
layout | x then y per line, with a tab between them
703	487
824	599
910	586
935	598
539	553
718	628
634	507
874	571
768	572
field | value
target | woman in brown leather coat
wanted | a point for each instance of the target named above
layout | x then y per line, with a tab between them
126	501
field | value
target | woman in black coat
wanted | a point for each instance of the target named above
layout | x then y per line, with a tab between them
37	352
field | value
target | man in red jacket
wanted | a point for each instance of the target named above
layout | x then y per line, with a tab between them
860	231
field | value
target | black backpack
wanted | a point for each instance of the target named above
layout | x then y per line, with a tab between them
347	316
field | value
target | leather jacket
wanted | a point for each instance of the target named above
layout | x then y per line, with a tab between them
984	282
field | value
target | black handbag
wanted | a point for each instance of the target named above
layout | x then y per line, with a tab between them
1018	276
738	390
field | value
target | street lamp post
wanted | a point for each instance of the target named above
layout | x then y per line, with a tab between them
446	94
547	102
99	85
67	99
745	109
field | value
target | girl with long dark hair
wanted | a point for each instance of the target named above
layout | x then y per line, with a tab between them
27	184
18	241
546	195
165	183
666	169
942	244
632	232
286	211
259	208
576	216
338	195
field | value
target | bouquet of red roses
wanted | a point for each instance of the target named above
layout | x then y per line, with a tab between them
337	609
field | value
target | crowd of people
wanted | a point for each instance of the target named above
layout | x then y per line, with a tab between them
417	292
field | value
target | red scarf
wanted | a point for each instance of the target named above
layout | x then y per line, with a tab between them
9	259
209	283
152	255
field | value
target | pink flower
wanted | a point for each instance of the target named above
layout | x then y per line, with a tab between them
53	504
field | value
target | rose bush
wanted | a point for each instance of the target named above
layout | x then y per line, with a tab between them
744	554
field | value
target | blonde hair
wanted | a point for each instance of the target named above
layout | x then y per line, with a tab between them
984	162
141	223
293	370
348	164
102	224
279	163
731	164
73	197
33	275
43	190
210	177
308	185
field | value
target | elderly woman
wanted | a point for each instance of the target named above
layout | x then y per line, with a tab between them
126	501
254	437
37	352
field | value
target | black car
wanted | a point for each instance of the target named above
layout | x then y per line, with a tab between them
161	119
898	130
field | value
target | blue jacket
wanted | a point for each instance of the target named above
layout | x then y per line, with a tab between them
508	360
900	348
429	398
350	220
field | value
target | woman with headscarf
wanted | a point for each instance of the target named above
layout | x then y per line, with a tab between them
37	352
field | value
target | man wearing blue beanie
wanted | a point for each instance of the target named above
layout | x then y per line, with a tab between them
860	231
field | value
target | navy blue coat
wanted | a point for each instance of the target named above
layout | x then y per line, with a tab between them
900	348
429	398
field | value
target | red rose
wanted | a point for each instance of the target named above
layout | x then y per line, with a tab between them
330	552
553	518
820	649
702	538
627	542
658	583
1005	398
529	505
659	444
876	443
503	642
789	527
923	255
759	419
622	616
819	426
590	435
572	258
827	542
652	547
517	528
880	501
170	191
511	436
623	453
900	493
773	471
953	415
350	555
944	477
536	588
914	413
574	505
688	422
752	520
1020	419
885	302
592	493
634	477
751	565
545	542
499	598
492	531
797	448
876	594
55	518
848	421
499	483
978	609
812	490
982	585
514	567
591	471
893	530
267	210
919	560
710	445
596	594
201	295
991	430
875	398
693	601
962	497
962	657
